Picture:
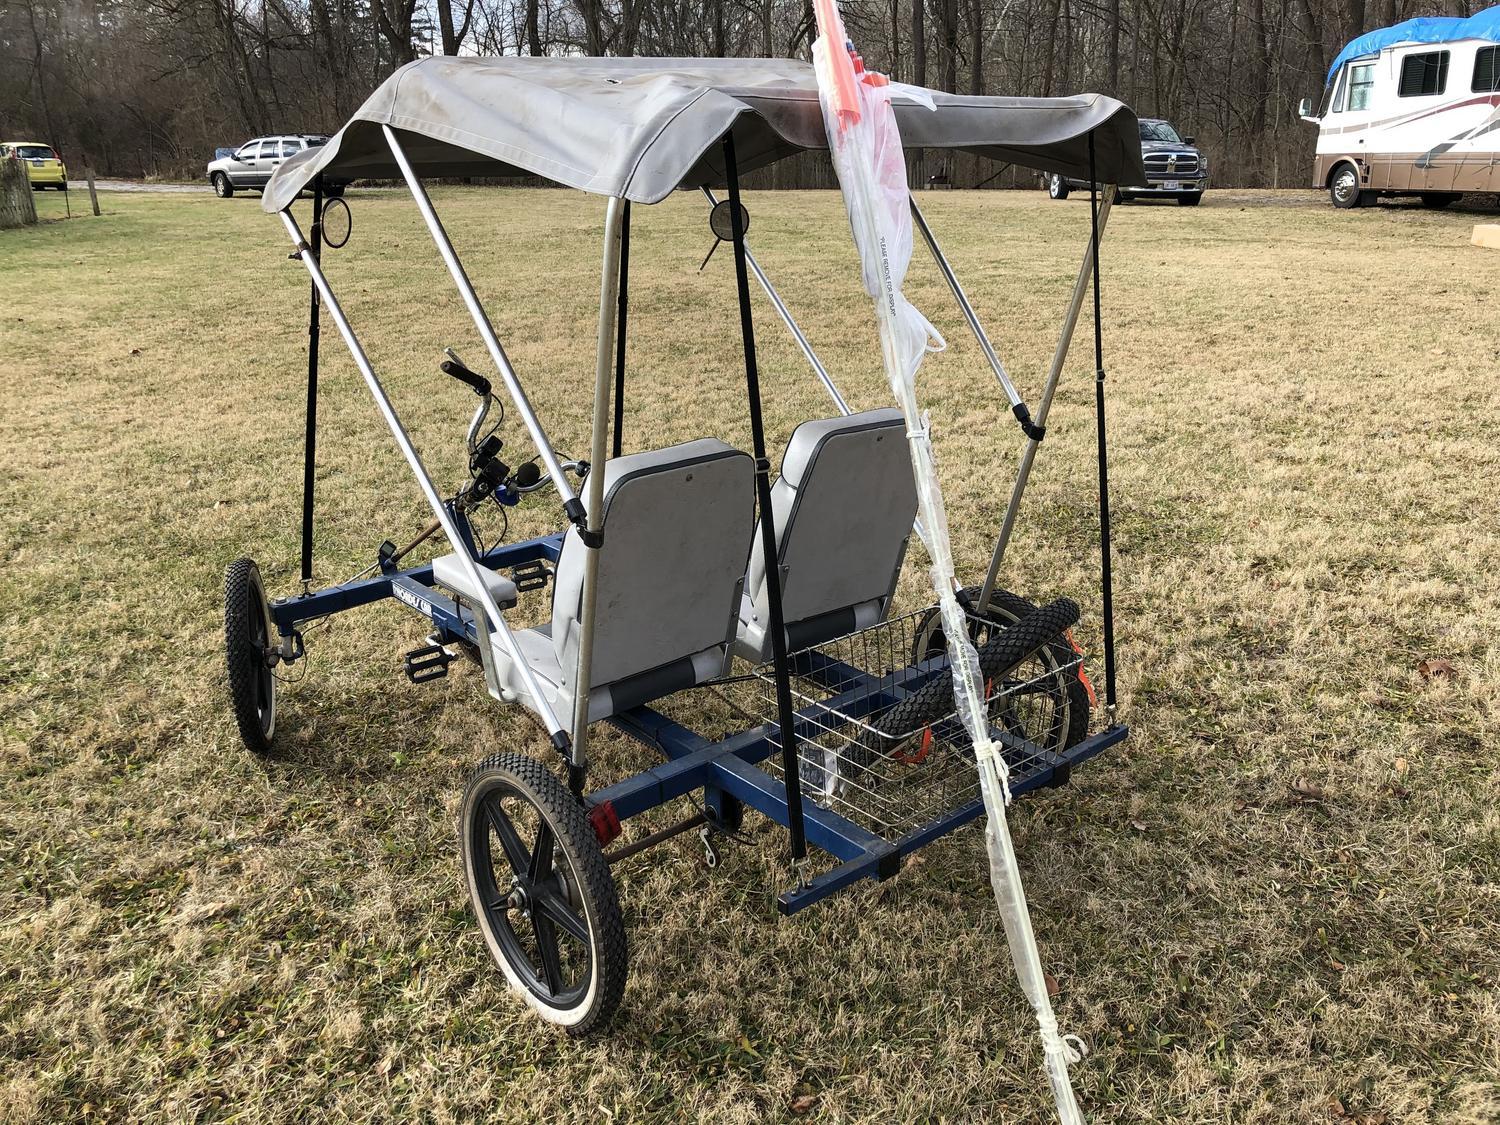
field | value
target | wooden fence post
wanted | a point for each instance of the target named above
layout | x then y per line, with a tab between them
17	208
88	174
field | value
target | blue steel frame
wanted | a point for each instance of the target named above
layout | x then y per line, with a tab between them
729	767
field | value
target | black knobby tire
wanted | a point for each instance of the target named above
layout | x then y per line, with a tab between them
551	919
247	640
222	187
1064	686
998	654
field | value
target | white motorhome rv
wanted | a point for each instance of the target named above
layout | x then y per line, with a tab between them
1412	109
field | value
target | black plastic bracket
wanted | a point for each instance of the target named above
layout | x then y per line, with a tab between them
1028	427
573	509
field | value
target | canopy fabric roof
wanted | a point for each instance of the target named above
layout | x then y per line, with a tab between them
641	128
1426	29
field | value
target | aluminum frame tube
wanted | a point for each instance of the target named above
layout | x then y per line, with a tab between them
1044	404
609	290
963	303
791	323
424	481
481	321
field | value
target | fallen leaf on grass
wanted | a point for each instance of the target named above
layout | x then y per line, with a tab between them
1435	668
1307	791
1138	825
1052	986
1400	765
803	1103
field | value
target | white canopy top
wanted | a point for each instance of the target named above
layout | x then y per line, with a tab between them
640	127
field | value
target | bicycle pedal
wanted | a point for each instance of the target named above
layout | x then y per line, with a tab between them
427	663
530	576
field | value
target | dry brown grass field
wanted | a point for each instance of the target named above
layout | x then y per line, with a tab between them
1279	901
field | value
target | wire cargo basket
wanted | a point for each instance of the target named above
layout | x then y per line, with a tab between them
879	738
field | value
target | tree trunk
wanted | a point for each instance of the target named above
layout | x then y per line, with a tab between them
976	47
17	208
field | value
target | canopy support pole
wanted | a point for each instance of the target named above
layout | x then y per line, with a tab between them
429	491
791	324
1017	406
610	288
1105	567
620	328
572	506
785	714
310	438
1044	405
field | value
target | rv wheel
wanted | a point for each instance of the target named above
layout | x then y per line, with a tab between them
1437	200
1344	189
1057	187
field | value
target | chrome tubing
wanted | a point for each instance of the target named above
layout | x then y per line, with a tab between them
481	321
1059	357
790	322
414	459
963	303
609	289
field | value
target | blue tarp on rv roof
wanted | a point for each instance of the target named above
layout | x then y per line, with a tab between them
1426	29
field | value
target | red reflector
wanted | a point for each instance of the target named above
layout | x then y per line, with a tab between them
605	822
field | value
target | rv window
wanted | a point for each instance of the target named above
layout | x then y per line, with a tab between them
1423	75
1341	89
1361	82
1487	71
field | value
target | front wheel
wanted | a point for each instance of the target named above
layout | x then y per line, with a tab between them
222	187
247	650
1057	187
334	191
1345	191
1190	200
542	892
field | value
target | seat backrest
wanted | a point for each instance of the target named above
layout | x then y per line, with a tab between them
677	528
844	507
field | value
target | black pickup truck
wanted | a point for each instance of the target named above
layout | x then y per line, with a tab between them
1175	169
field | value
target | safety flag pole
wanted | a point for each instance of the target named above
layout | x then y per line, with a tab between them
865	143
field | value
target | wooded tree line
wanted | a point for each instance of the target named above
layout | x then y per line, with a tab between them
152	87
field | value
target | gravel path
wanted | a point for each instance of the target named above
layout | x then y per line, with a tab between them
141	185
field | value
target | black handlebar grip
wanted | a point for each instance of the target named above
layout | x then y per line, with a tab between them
479	383
527	475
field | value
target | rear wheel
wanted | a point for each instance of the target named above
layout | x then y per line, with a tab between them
1063	686
222	187
1344	189
1437	200
247	649
542	892
1057	187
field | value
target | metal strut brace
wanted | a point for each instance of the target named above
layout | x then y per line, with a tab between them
785	714
1017	406
429	490
791	324
310	440
572	506
1044	408
1105	569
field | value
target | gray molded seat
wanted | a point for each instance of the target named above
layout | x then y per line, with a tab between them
843	506
677	528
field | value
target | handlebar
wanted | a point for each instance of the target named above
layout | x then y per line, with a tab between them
455	368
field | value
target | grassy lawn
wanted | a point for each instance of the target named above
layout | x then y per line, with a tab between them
1277	901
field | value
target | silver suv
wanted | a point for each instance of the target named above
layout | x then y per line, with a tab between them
251	165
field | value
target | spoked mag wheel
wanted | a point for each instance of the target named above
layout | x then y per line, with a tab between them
247	648
1016	642
542	891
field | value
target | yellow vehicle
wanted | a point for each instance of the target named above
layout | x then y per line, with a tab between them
43	166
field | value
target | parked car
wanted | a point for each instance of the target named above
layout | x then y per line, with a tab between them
43	166
1175	168
1411	110
251	165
